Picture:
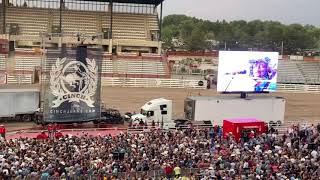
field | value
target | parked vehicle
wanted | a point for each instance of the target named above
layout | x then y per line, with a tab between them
218	108
19	104
110	116
159	111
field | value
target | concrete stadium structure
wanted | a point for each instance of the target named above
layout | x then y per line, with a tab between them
131	41
130	35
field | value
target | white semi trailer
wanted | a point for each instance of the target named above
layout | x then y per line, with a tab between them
19	103
218	108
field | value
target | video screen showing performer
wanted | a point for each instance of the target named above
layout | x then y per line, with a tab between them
247	72
263	73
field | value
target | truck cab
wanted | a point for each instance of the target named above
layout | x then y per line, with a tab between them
157	110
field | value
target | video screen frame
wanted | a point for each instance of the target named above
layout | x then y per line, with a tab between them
247	71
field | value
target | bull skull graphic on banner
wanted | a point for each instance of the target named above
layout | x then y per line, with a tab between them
73	81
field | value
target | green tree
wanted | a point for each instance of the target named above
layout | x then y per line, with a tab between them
196	41
239	34
167	36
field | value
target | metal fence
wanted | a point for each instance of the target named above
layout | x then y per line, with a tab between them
154	82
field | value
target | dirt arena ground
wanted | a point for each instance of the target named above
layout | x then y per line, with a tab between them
300	107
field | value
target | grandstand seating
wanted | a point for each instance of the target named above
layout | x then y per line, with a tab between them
49	63
78	21
30	22
27	62
125	25
129	26
19	79
153	24
289	72
143	67
1	19
104	20
2	62
311	71
299	72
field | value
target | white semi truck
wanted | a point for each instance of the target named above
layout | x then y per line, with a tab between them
201	109
157	110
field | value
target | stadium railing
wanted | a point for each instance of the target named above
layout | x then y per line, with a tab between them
153	82
19	79
298	88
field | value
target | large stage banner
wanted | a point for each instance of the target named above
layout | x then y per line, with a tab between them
72	90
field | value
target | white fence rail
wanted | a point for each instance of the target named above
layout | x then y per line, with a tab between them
298	88
153	82
167	83
19	79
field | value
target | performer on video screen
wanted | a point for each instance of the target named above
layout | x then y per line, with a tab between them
259	74
262	72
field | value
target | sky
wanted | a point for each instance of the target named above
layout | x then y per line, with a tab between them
285	11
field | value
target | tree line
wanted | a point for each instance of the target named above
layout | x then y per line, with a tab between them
189	33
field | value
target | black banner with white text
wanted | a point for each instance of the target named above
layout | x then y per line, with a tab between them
72	93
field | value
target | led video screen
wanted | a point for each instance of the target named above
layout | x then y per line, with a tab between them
247	71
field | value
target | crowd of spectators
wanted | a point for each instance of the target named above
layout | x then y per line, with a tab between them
294	155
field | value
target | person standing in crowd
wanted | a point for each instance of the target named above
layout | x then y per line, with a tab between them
153	124
2	131
42	136
55	129
251	135
50	131
177	171
163	153
168	171
58	134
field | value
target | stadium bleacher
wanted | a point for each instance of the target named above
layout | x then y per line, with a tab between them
73	21
19	79
129	26
27	62
1	20
134	67
29	22
49	63
125	25
299	72
2	62
311	71
289	72
153	23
